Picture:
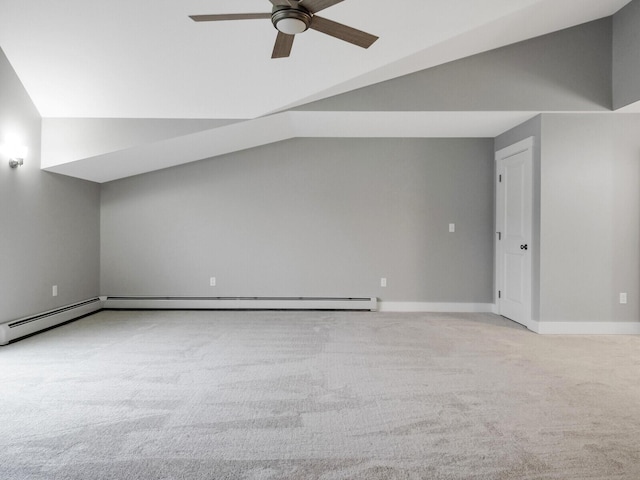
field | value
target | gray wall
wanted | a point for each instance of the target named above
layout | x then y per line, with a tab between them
565	70
590	217
532	128
308	217
49	225
586	215
626	55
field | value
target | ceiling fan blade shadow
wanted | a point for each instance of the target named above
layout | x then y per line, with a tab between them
284	43
279	3
229	16
342	32
315	6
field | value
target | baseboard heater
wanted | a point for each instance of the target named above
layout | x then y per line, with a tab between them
29	325
240	303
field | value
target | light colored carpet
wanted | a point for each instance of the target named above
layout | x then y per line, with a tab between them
313	395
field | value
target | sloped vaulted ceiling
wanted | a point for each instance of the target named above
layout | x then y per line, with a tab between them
203	89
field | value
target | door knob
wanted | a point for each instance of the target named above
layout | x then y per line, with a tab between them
524	247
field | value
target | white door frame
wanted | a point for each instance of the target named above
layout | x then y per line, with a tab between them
502	155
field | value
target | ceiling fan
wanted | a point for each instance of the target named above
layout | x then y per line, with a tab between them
291	17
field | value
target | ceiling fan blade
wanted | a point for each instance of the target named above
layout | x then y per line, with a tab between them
229	16
315	6
343	32
282	48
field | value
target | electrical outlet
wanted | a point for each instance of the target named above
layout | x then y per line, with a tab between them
212	282
54	291
383	282
452	227
623	298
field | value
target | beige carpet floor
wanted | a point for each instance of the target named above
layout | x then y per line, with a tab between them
317	395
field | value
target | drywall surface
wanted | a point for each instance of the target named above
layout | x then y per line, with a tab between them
49	224
626	60
308	217
590	217
532	128
565	70
69	139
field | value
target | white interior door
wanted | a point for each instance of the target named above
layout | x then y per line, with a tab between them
514	202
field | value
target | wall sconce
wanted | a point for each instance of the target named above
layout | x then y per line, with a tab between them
16	152
14	162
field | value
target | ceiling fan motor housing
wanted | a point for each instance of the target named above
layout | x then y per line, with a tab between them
291	20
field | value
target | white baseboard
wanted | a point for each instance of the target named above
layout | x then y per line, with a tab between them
585	328
22	327
240	303
436	307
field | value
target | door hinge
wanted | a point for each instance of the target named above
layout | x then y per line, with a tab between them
499	235
500	178
499	294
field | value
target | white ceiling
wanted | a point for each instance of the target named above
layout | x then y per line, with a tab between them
145	59
150	156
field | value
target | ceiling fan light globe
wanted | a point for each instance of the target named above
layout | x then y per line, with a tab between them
291	26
